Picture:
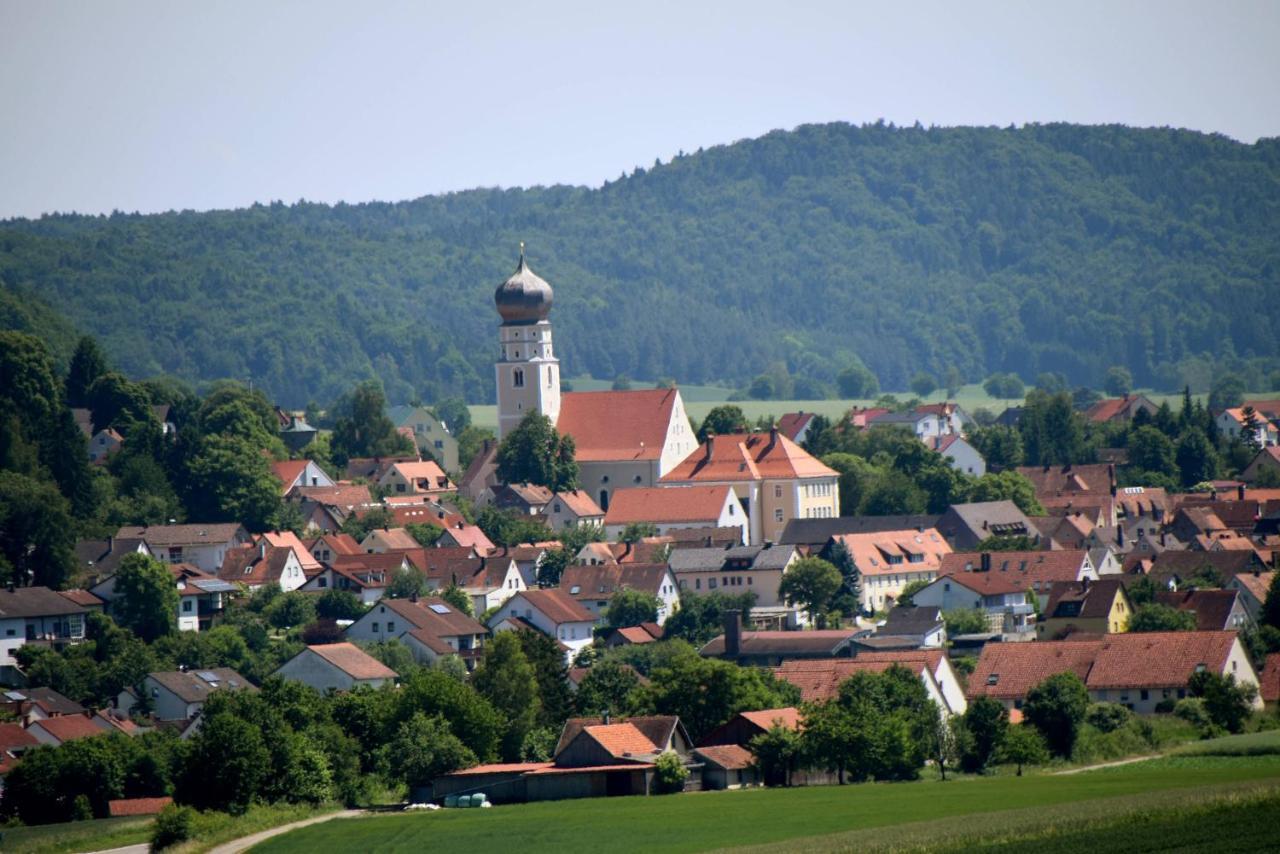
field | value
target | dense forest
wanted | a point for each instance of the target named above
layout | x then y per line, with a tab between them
1047	248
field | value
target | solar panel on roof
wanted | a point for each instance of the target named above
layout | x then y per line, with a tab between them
439	609
207	675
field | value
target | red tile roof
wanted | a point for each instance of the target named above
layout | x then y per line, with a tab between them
81	597
137	806
1050	480
730	757
579	503
1258	585
1010	670
585	582
13	737
288	471
621	740
748	456
792	424
69	727
820	680
353	661
345	495
1269	680
1024	570
1158	659
788	717
617	425
557	605
666	504
872	552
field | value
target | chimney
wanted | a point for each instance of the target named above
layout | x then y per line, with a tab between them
1084	584
262	547
1240	492
984	524
732	632
986	561
1162	539
605	717
111	543
1120	535
710	441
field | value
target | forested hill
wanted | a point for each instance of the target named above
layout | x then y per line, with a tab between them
1046	248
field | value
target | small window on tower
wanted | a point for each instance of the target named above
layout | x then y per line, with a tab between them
517	378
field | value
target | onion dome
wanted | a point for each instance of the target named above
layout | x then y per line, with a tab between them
523	298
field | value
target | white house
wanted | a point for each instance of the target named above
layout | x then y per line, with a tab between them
204	546
177	695
593	586
36	615
553	612
293	474
741	569
676	507
962	456
429	626
336	667
261	564
571	508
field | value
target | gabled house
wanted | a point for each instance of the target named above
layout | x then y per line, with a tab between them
675	507
1088	607
59	730
35	615
416	478
1253	588
771	648
326	508
101	558
202	597
260	564
489	580
1176	568
957	450
177	695
1034	571
1120	409
329	546
553	612
382	540
296	474
14	742
1007	604
890	560
796	426
1087	489
430	434
728	762
928	421
594	586
1256	417
431	628
204	546
103	444
35	704
966	525
1214	610
757	569
527	499
1266	460
336	667
919	625
820	680
572	508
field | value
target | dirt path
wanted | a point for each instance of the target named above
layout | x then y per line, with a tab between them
1115	764
244	843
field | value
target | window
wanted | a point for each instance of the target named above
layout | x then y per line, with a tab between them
1146	695
439	444
375	627
777	490
777	514
323	582
711	584
517	378
391	625
186	606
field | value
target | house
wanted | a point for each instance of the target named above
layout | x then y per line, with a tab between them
647	550
725	752
890	560
101	558
481	473
928	421
1005	601
488	580
593	758
203	546
373	469
634	635
1205	569
60	730
813	535
1253	588
326	508
1091	607
257	565
429	626
921	626
527	499
757	569
201	596
820	680
966	525
625	438
1143	502
1033	571
1084	488
328	546
336	667
860	418
594	586
1266	460
1139	670
675	507
431	435
1269	681
295	474
1214	610
553	612
572	508
1256	417
1120	409
177	695
295	432
771	648
14	742
35	615
423	477
103	444
796	426
382	540
963	456
34	704
774	478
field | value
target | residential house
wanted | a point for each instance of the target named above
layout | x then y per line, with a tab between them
14	742
796	426
625	438
103	444
1269	681
594	586
1214	610
813	535
382	540
1007	604
431	435
966	525
1143	502
204	546
481	473
740	569
295	432
1120	409
634	635
553	612
489	580
336	667
373	469
1258	417
860	418
1033	571
202	598
423	477
257	565
962	456
35	615
928	421
771	648
890	560
429	626
101	558
820	680
328	546
327	508
675	507
177	695
296	474
728	762
1266	460
35	704
1253	587
647	550
572	508
527	499
59	730
1088	607
1204	569
921	626
774	478
1139	670
1089	489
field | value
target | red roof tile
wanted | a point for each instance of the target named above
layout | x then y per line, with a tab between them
820	680
137	806
1157	659
617	425
621	740
69	727
730	757
1010	670
666	504
288	471
1269	681
557	605
748	456
353	661
788	717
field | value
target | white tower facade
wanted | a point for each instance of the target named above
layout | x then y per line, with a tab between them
527	371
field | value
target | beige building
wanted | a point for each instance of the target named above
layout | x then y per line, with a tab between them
774	478
888	561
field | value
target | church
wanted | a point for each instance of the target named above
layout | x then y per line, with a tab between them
623	439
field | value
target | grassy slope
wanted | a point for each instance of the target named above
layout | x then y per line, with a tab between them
727	819
76	836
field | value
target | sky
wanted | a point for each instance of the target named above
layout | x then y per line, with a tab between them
148	107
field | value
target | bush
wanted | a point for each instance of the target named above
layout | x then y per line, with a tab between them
1192	711
173	825
1165	707
1107	717
671	774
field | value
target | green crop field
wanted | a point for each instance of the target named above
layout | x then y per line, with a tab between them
711	820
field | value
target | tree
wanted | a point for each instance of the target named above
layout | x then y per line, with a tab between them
1118	381
856	382
723	420
608	688
510	528
985	724
87	364
146	598
904	598
1270	615
229	480
966	621
944	744
848	598
506	679
1154	617
458	598
1196	457
1226	392
701	615
1151	450
424	748
1023	745
454	413
1227	703
546	657
37	534
424	535
1003	386
335	604
670	774
407	583
291	609
1052	430
812	583
629	607
115	401
635	532
226	765
999	445
776	751
1007	485
1056	707
923	384
535	453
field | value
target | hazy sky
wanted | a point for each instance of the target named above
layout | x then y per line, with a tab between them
153	106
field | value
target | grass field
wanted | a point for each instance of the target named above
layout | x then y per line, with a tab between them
711	820
75	836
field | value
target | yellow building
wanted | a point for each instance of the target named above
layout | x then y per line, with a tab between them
1090	607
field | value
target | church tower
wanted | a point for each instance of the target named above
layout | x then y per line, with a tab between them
528	372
